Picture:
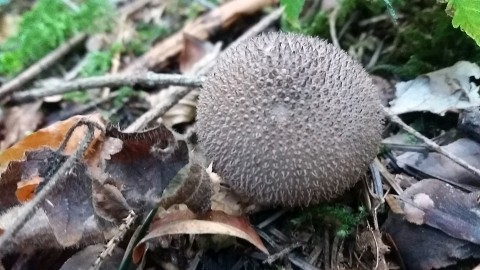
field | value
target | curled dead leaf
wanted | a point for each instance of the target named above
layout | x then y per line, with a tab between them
145	165
12	161
213	222
192	187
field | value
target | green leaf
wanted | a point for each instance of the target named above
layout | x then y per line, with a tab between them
292	9
466	15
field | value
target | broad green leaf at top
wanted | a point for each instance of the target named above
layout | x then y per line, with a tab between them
466	14
292	8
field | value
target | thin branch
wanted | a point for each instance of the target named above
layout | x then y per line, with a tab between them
29	209
114	80
282	253
202	27
394	118
203	69
157	111
41	65
332	18
122	230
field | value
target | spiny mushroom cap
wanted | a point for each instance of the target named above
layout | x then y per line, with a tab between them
288	119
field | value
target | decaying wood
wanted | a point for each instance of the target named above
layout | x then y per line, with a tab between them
201	28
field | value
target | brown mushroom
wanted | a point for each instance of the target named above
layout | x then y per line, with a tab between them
289	120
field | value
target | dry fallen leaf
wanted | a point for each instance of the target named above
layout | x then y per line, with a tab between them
439	91
438	166
193	51
448	229
12	161
86	257
213	222
26	188
191	186
145	165
38	233
424	248
20	120
109	202
202	28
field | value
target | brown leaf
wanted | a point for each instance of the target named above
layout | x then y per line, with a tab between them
26	188
201	28
393	204
69	205
20	120
51	137
109	202
145	165
193	50
192	187
12	169
213	222
183	112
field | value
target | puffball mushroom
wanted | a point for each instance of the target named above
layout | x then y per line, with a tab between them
289	120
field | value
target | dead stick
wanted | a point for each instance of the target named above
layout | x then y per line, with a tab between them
181	92
394	118
202	27
40	66
113	80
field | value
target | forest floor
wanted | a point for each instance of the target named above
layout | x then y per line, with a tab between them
92	92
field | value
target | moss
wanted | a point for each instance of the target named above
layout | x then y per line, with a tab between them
46	26
339	217
147	34
316	24
426	43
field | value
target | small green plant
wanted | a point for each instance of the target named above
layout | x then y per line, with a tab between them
292	10
466	15
46	26
123	93
100	62
81	97
426	43
146	35
342	218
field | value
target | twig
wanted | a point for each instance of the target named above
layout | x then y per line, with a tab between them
202	28
157	111
271	219
282	253
88	107
181	92
128	221
29	209
113	80
394	118
259	27
332	18
390	178
41	65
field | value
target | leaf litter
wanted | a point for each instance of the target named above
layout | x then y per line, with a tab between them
430	224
